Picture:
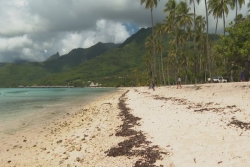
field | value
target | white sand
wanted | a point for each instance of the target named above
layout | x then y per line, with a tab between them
197	138
191	125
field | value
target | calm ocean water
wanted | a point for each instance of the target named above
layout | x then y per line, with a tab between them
23	107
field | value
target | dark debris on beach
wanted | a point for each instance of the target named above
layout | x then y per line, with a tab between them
148	154
240	124
199	107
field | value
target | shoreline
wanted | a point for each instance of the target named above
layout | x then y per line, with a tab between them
198	125
43	113
41	139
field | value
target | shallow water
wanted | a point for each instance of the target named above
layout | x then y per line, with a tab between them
20	108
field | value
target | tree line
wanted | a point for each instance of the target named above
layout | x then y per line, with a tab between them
191	52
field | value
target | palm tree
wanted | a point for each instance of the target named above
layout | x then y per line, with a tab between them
178	40
171	23
235	4
208	56
223	11
223	8
185	20
171	61
147	58
193	2
248	5
160	31
200	29
212	6
150	4
200	24
158	48
171	7
239	18
189	34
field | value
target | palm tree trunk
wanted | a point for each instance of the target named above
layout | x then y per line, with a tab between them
216	25
186	73
195	71
236	7
160	79
195	36
224	23
205	73
186	64
200	59
176	51
208	56
163	75
168	71
153	73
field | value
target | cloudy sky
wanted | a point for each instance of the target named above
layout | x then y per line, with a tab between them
33	30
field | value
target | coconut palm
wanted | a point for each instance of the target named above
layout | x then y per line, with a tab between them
178	40
148	61
193	2
239	18
235	4
184	19
150	4
200	37
194	16
149	50
171	62
248	5
212	6
158	49
171	22
160	31
200	22
208	56
189	35
223	8
171	7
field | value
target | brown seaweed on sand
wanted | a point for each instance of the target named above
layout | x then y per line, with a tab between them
137	144
242	125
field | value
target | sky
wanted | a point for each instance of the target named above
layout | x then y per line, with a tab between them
33	30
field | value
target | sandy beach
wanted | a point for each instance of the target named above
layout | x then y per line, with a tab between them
198	125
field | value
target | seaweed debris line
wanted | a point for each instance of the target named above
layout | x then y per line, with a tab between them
136	145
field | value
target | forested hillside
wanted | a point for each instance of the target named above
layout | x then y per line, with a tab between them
97	63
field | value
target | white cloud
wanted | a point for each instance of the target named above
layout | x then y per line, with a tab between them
110	31
9	44
17	19
105	31
29	27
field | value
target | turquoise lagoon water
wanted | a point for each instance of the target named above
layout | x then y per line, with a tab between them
23	107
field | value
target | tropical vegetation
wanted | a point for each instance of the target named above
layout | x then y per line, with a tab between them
208	58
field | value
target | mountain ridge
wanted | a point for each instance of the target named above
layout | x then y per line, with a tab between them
79	65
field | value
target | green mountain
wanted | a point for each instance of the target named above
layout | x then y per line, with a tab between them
75	57
53	57
100	63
